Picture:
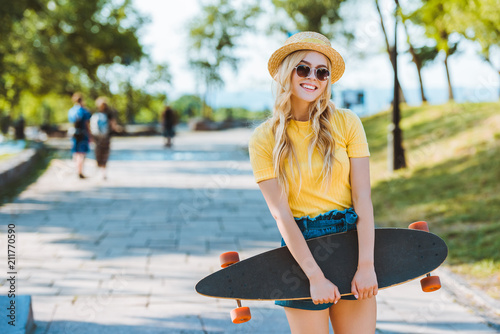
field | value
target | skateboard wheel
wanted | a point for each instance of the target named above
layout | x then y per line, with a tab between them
240	315
430	283
228	258
422	226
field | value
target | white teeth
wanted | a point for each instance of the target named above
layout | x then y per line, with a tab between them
308	86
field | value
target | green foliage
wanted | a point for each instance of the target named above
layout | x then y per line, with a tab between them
434	16
422	54
47	109
215	34
138	106
188	106
91	33
478	20
425	55
437	17
150	107
312	15
12	63
230	114
57	46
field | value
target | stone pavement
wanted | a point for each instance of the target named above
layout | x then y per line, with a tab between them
123	255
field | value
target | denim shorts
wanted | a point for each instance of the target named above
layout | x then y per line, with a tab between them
327	223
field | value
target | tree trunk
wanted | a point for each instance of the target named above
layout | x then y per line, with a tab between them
417	63
129	111
419	71
205	101
424	99
398	152
450	89
389	50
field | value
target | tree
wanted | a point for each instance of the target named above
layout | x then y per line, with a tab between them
214	36
389	48
158	77
421	56
56	46
313	15
397	151
188	106
93	33
11	14
436	16
478	21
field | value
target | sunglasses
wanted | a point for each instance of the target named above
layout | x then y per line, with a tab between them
303	71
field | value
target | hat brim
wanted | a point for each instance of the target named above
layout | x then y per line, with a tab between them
336	60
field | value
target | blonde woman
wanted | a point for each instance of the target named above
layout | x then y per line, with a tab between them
310	160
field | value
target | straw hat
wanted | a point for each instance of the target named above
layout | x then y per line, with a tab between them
308	40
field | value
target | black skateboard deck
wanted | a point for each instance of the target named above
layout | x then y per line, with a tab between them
401	255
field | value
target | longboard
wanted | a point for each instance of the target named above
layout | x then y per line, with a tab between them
401	255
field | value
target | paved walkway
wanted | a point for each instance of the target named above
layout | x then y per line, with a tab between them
123	255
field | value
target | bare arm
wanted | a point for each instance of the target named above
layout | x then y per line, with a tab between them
322	290
364	284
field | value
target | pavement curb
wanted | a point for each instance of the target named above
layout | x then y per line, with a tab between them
16	167
470	297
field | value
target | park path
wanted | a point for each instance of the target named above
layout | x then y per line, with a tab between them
123	255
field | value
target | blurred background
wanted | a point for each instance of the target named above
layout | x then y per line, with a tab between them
208	59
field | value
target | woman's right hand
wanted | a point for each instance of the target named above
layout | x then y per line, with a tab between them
323	291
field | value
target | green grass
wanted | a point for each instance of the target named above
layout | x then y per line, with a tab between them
484	274
452	181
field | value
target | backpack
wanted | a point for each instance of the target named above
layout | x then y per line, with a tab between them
99	124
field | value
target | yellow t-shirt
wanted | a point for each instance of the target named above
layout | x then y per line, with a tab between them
350	142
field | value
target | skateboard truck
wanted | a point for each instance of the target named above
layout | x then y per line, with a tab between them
240	314
429	283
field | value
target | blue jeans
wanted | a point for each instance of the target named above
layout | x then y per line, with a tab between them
327	223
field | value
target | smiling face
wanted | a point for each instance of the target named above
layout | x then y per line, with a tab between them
310	88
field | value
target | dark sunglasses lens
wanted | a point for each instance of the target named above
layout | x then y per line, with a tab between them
303	71
322	74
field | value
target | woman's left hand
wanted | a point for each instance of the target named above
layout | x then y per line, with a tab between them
364	284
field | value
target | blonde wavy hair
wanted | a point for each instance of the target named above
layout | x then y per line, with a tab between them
320	113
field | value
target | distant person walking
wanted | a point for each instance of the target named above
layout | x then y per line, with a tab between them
80	117
169	120
102	124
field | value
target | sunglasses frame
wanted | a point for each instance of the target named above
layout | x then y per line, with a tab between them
315	72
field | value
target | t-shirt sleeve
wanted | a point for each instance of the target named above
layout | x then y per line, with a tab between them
356	142
260	149
71	116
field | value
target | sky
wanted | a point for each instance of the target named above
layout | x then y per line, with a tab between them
166	39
